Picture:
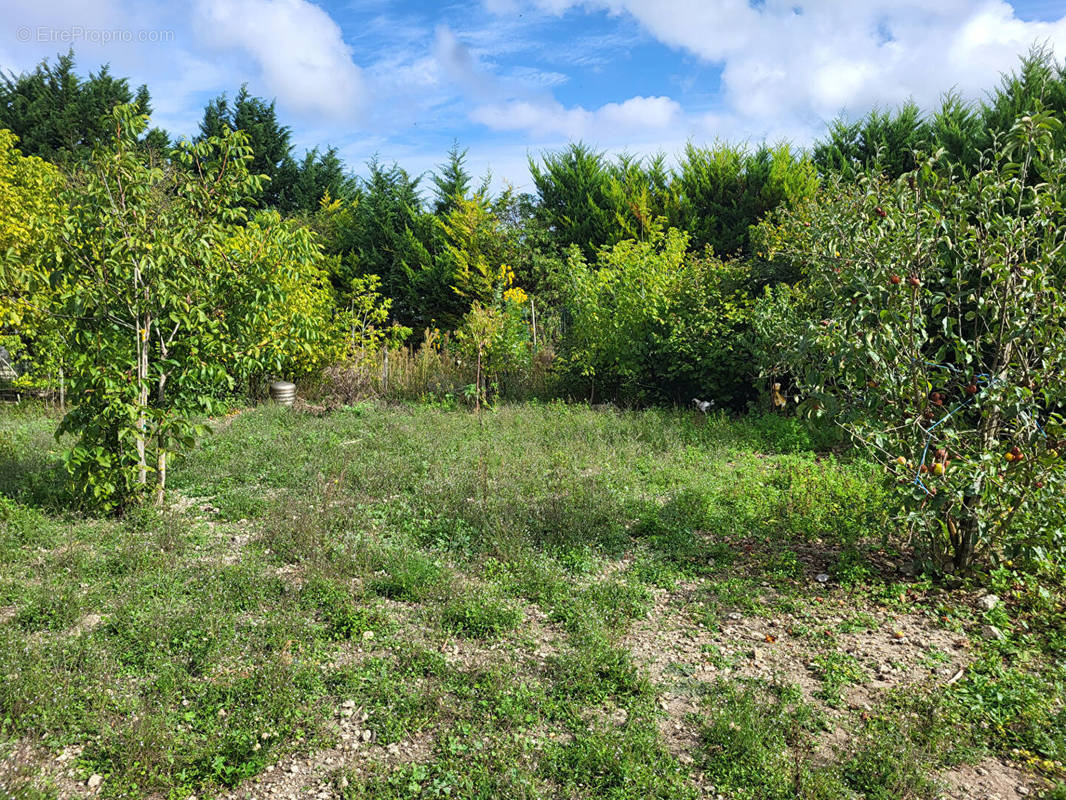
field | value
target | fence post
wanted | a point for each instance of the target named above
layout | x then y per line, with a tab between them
533	311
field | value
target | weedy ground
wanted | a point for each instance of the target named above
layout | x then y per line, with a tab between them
543	601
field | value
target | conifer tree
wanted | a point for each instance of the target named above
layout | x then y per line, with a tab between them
451	181
60	117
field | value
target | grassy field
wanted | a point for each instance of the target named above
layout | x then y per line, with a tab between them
543	601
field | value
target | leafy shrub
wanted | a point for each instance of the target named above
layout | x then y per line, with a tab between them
930	323
649	322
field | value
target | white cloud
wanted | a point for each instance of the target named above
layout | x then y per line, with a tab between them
297	46
545	118
518	101
790	65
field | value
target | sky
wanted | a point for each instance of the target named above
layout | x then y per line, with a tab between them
507	79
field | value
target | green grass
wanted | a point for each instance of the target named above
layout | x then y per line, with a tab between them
480	587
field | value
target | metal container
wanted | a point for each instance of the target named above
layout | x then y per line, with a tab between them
283	393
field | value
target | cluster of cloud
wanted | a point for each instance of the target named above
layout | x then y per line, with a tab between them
296	45
524	103
640	115
788	66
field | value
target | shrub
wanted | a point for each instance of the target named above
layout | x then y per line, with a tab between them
650	322
930	323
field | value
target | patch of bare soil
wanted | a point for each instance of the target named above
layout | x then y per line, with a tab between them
26	767
682	654
319	774
992	779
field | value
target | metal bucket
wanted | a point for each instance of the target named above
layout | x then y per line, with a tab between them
283	393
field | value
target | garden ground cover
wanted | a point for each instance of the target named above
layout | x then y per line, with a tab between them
538	601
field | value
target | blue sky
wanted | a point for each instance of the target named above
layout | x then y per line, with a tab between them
507	78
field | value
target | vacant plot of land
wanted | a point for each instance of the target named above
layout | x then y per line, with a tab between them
543	601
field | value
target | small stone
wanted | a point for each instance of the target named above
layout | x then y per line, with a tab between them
366	736
1021	790
992	632
822	577
348	704
94	781
987	602
734	615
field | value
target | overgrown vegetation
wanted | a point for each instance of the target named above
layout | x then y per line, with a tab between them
493	595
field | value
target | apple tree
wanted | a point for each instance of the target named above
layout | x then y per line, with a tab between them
930	322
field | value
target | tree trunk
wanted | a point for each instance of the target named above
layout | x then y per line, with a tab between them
160	391
161	478
963	537
142	405
477	384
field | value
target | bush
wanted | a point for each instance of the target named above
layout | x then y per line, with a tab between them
929	322
652	323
